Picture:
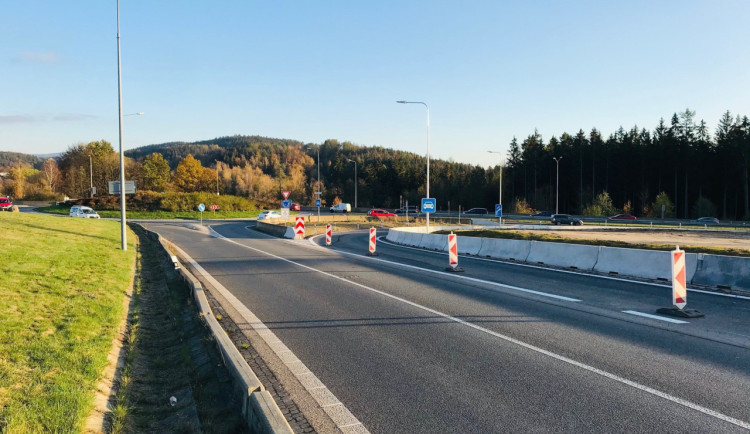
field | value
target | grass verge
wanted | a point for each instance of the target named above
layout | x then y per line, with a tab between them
515	235
185	215
62	298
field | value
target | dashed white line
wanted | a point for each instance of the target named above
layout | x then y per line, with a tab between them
660	318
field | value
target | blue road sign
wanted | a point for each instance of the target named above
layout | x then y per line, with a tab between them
286	203
498	210
201	207
429	204
317	203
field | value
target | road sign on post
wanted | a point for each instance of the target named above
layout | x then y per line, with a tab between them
214	207
371	248
114	187
286	203
679	287
317	203
201	208
299	228
285	194
429	205
498	210
453	254
285	214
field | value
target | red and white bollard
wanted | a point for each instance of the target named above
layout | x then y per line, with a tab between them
679	288
371	251
453	254
328	235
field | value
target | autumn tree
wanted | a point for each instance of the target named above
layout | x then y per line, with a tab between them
189	174
154	173
51	174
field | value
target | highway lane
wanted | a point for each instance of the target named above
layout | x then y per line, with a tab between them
448	355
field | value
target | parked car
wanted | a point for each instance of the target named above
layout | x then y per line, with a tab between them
411	209
265	215
622	217
295	207
378	212
542	214
5	204
342	207
83	211
706	221
477	211
565	219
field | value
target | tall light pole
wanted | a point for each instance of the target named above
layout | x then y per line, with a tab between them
557	189
217	177
427	215
317	193
500	186
123	234
91	176
355	181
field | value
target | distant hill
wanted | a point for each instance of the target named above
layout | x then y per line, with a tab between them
10	159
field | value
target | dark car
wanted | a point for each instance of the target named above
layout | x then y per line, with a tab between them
565	219
411	209
542	214
477	211
622	217
706	221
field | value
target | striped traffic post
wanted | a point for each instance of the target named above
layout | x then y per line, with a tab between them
371	250
679	288
328	235
299	228
453	254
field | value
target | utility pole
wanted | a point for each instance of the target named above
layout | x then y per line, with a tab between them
557	192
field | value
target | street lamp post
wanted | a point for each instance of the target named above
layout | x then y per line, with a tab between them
91	176
317	193
355	181
123	235
500	183
427	215
557	189
217	177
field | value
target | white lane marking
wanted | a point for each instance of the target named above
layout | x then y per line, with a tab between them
531	347
660	318
598	276
472	279
327	400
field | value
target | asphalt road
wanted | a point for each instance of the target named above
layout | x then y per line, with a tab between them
409	348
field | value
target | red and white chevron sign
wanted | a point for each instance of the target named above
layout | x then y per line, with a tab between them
328	235
679	285
299	227
452	250
373	232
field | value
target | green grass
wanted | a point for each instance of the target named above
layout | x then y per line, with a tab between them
517	235
185	215
61	298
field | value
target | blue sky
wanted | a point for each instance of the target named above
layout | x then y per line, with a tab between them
317	70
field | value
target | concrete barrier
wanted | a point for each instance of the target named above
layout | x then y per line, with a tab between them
651	264
265	415
271	229
469	245
715	270
411	239
394	235
577	256
505	249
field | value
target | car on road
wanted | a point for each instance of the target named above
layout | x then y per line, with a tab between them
295	207
83	211
565	219
265	215
5	204
378	212
623	217
477	211
542	214
411	209
706	221
342	207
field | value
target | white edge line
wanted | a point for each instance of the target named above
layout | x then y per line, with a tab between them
268	336
598	276
540	350
660	318
443	273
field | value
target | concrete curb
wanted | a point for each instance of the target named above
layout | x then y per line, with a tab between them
259	410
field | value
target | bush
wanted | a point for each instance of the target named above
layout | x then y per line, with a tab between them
593	211
602	206
152	201
703	208
520	206
662	199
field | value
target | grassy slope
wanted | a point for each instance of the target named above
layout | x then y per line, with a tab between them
61	294
191	215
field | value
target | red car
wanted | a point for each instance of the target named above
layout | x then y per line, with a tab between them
377	212
622	217
5	204
295	207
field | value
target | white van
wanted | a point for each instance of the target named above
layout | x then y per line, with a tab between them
342	207
83	211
